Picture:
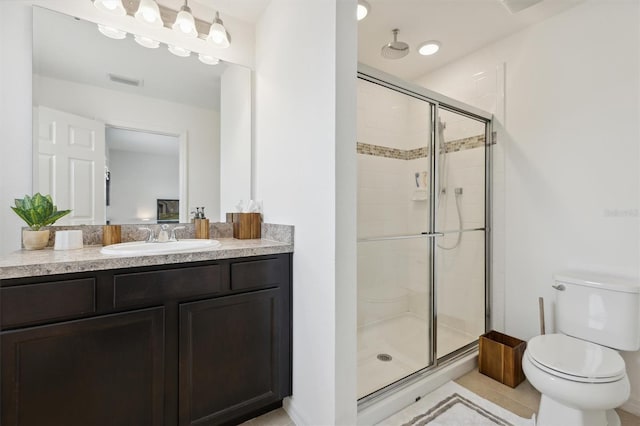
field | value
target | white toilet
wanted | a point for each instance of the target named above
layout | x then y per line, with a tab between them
581	378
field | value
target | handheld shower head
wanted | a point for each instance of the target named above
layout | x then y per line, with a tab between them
396	49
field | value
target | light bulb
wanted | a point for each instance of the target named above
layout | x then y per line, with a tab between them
185	23
218	33
179	51
208	59
110	6
147	42
149	13
111	32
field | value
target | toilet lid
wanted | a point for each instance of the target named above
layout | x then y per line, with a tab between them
575	359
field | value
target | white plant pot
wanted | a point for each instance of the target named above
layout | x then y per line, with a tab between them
35	240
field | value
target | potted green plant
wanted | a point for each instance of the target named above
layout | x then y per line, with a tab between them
37	211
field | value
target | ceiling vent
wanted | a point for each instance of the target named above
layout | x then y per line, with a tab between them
125	80
515	6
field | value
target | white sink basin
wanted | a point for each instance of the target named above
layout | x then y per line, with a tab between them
142	247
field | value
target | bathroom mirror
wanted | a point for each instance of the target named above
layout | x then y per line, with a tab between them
118	126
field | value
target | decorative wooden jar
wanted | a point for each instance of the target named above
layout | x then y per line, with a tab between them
246	225
201	227
501	358
111	234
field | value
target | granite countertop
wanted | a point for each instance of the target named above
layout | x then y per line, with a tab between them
24	263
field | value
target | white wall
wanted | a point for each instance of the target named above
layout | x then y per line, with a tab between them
235	138
570	140
201	127
15	117
138	179
305	173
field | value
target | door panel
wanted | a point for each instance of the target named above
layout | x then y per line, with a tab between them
103	371
71	155
460	217
394	288
229	356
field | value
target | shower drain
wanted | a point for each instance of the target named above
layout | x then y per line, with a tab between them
384	357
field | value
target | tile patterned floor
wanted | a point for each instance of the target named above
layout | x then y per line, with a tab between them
523	401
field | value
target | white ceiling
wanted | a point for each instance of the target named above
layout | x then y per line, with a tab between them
462	26
133	140
245	10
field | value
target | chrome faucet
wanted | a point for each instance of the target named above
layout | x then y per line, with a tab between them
163	236
173	233
152	238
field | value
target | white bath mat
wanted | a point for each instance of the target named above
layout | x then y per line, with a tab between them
453	405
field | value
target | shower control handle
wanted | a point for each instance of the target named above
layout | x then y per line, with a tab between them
559	287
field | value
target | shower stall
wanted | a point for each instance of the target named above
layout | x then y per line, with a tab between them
423	238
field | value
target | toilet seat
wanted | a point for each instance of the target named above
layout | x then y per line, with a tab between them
574	359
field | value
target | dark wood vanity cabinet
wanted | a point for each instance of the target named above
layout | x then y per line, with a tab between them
202	343
106	370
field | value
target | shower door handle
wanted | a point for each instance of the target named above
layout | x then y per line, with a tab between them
433	234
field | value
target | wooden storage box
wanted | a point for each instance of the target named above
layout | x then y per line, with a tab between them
501	358
246	225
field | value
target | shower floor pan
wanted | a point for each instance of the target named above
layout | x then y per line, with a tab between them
404	340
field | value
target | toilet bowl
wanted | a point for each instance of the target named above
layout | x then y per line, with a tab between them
580	382
581	378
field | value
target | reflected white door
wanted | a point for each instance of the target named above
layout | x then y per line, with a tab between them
71	164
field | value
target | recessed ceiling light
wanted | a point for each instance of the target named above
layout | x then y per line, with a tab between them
363	9
429	47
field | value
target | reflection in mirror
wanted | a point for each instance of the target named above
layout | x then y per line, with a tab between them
141	168
107	108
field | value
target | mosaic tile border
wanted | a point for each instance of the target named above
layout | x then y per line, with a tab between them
423	152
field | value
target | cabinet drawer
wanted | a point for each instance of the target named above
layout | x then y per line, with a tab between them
28	304
256	274
142	288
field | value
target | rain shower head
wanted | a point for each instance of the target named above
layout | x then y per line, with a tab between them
396	49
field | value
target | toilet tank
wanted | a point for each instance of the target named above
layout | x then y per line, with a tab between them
599	308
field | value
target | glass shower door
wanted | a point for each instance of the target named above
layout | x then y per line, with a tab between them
394	286
460	217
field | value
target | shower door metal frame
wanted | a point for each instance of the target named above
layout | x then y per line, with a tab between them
437	102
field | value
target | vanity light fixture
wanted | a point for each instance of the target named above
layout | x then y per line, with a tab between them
146	41
149	13
208	59
429	47
114	7
218	33
179	51
111	32
185	24
363	9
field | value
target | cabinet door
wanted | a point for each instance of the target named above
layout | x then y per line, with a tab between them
99	371
230	356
